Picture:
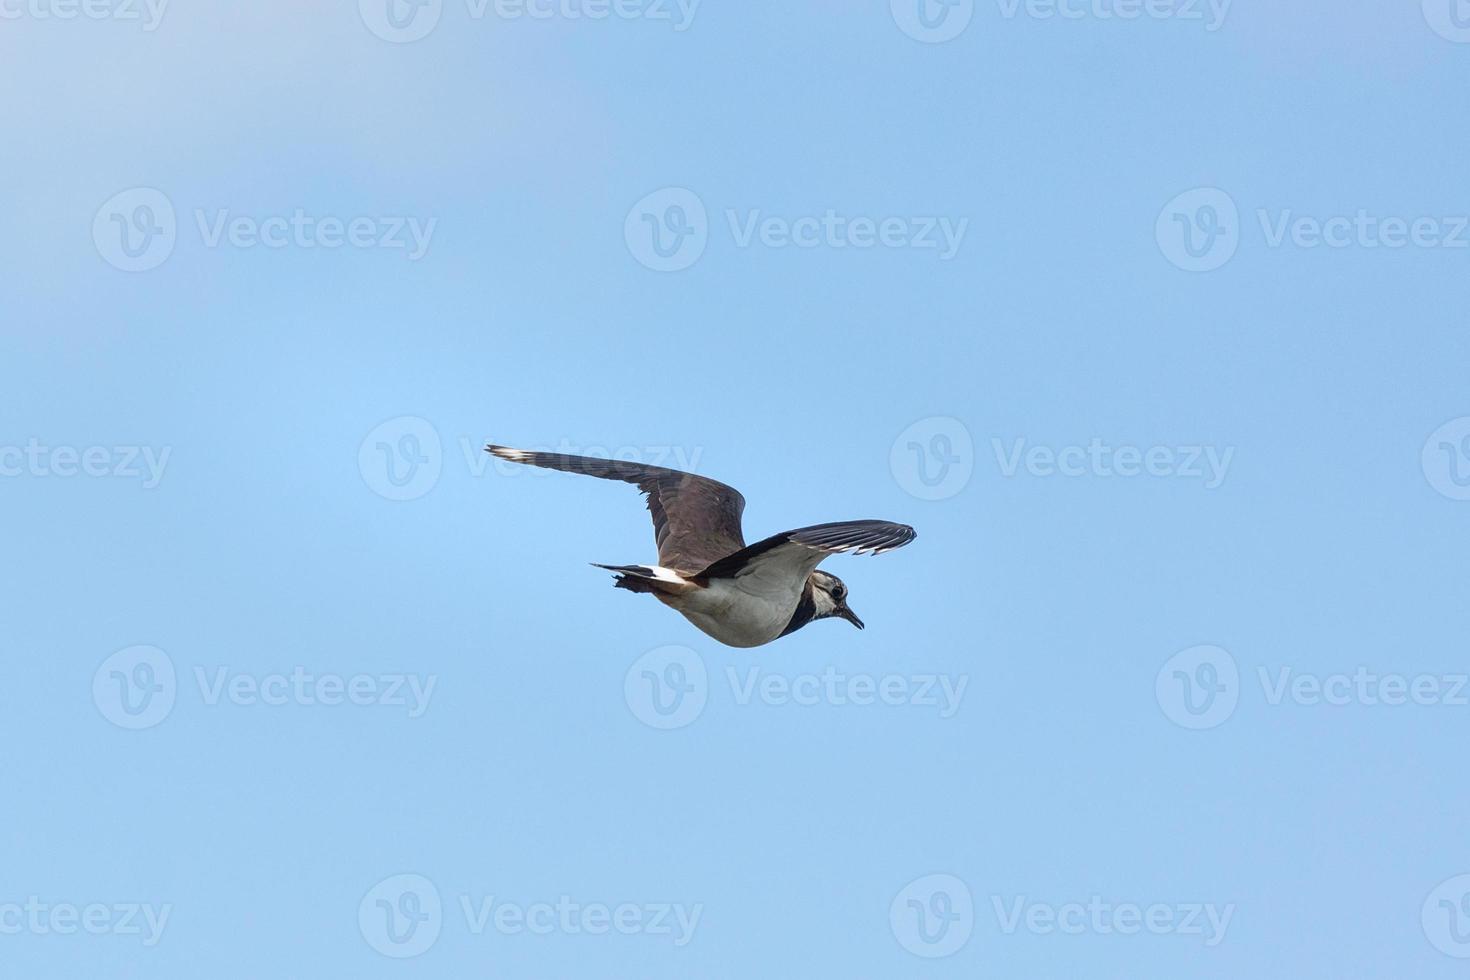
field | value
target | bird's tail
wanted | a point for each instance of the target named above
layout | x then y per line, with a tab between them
649	578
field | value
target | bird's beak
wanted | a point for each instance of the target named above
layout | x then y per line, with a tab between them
849	615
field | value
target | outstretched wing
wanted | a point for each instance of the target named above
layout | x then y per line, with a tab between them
792	555
696	521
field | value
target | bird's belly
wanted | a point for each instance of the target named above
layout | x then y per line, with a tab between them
734	617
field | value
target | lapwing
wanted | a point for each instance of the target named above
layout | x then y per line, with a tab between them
742	595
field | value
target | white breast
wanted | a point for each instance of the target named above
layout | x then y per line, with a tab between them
738	617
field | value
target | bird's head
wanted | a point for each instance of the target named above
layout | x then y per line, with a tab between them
830	595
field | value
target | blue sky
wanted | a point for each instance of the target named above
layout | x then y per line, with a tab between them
1148	317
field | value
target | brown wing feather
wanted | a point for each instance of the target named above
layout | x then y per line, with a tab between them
696	520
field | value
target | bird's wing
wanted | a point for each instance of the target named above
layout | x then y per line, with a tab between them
772	564
696	521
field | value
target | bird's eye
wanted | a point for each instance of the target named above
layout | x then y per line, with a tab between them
839	592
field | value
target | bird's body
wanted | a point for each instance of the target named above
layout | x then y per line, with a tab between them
727	612
743	596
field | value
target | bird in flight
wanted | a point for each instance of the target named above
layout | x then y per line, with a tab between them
742	595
